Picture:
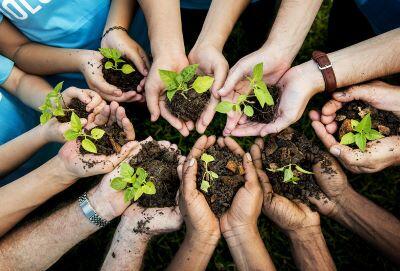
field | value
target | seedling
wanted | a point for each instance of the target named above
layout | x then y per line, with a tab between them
288	175
363	132
76	131
180	82
243	103
208	175
114	58
133	183
52	105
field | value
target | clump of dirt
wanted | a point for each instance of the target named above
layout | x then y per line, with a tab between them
79	108
111	142
266	114
292	147
188	105
385	122
125	82
229	168
161	165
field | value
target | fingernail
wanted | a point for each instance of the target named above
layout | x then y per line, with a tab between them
191	163
335	151
249	157
118	93
340	94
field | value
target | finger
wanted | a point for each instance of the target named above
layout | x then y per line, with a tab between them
206	116
126	149
232	120
327	139
152	99
331	128
128	129
103	116
327	119
174	121
95	101
265	184
314	115
132	53
331	107
199	147
100	85
250	176
99	108
220	73
189	175
275	127
248	129
347	155
120	114
260	142
235	75
113	112
243	119
233	146
256	156
358	92
189	125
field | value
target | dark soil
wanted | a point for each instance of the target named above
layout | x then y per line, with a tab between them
229	168
161	165
125	82
111	142
292	147
190	106
266	114
79	108
385	122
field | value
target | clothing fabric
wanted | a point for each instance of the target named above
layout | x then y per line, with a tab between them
6	66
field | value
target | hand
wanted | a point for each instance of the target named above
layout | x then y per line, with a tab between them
53	131
211	62
155	95
274	68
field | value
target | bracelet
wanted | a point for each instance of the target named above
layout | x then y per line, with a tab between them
325	66
114	28
90	213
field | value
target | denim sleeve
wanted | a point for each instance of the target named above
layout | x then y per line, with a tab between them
6	67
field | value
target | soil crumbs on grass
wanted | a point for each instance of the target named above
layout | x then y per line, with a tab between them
229	168
161	165
266	114
79	108
125	82
291	147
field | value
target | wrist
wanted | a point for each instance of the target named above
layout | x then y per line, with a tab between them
83	58
60	173
203	238
236	236
342	202
305	234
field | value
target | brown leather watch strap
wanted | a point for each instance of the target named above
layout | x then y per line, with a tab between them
325	66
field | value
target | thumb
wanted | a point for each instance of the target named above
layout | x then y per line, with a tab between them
235	75
152	98
126	149
347	155
220	74
275	127
133	54
359	92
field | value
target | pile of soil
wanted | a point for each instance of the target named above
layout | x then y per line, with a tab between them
79	108
190	106
229	168
161	165
111	142
266	114
385	122
292	147
125	82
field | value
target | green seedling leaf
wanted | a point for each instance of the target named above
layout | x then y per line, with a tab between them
97	133
88	145
57	89
258	71
129	194
171	94
213	174
138	193
127	69
224	107
106	52
287	175
108	65
300	169
354	124
115	54
126	170
58	112
75	122
347	139
262	94
45	117
188	72
248	111
141	175
70	135
118	183
149	188
241	99
361	141
364	125
179	79
205	186
169	79
295	179
202	84
207	158
374	135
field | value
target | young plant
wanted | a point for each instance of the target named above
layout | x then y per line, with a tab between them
243	103
76	131
53	105
181	81
133	183
208	175
288	175
114	58
363	132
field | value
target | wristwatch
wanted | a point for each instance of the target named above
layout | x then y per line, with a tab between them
90	213
325	66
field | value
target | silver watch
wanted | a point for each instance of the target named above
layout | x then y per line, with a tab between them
90	213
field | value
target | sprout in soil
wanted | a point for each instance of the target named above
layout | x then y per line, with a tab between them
114	58
175	82
133	183
208	175
76	131
260	91
288	174
53	105
363	132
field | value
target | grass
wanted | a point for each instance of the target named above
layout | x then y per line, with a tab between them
348	250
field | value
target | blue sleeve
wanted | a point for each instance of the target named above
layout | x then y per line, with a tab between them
6	67
1	17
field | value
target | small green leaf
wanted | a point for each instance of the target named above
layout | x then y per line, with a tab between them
106	52
179	79
236	107
204	186
207	158
213	174
76	124
129	194
70	135
258	71
138	193
58	87
361	141
127	69
241	98
45	117
300	169
294	180
347	139
374	135
188	72
108	65
248	111
118	183
97	133
141	174
171	94
364	125
262	94
168	78
58	112
224	107
115	54
88	145
149	188
354	124
287	174
126	170
202	83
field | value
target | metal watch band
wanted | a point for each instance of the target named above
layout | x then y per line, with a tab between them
325	66
90	213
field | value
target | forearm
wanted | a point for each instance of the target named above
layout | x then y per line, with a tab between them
220	20
120	14
21	148
371	222
195	252
165	27
20	197
310	251
248	250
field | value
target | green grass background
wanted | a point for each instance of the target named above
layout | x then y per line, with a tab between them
348	250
